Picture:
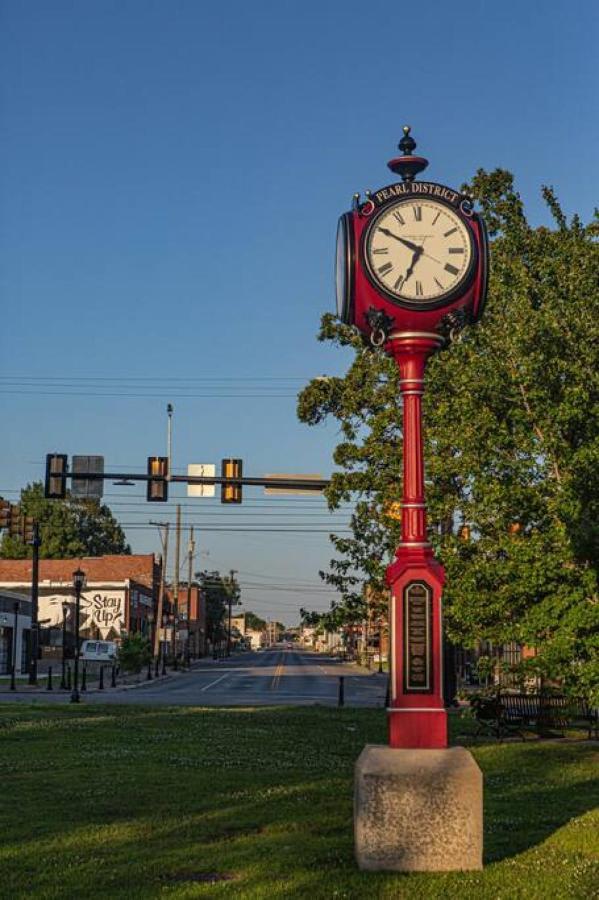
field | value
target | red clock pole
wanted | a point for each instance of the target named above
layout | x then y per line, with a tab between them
417	717
411	272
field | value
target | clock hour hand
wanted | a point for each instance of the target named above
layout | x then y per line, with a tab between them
417	254
409	244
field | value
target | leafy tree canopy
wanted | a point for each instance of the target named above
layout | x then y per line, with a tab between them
218	590
135	652
68	528
254	622
511	442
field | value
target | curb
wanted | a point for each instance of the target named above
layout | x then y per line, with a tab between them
93	690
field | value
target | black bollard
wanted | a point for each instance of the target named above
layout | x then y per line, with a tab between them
49	685
341	695
101	684
113	677
388	693
84	679
149	675
175	662
13	683
164	665
69	678
157	667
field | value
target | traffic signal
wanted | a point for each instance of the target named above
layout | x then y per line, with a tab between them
28	529
231	468
4	513
157	483
55	487
15	525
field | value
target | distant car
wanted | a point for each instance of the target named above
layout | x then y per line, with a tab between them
288	646
98	651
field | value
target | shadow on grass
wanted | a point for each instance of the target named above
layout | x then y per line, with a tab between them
533	790
134	801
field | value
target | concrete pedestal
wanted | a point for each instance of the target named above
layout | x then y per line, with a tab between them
418	810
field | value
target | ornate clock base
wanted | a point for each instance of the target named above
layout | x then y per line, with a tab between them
416	712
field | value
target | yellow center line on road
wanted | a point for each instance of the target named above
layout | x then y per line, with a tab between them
277	677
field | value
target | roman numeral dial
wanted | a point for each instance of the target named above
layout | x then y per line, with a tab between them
418	251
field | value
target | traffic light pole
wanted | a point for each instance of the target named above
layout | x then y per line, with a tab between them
308	484
176	583
35	576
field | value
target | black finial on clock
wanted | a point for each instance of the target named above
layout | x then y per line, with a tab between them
407	165
407	145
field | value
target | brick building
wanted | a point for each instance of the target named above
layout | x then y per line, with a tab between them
191	612
120	595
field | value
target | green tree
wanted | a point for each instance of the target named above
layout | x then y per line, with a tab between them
218	589
254	622
68	528
135	652
511	441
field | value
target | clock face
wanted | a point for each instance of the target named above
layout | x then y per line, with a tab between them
419	252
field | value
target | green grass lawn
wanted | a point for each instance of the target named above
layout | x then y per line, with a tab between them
154	802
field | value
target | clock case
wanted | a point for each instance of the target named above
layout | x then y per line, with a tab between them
360	295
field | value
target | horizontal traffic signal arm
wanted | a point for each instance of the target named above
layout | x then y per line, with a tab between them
314	484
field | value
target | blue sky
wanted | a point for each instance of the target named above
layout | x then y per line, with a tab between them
171	175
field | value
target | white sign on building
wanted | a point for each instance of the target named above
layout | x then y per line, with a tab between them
102	608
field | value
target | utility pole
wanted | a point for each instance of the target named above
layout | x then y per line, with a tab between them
176	579
35	580
169	438
190	555
164	542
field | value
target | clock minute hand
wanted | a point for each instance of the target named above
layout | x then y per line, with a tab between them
409	244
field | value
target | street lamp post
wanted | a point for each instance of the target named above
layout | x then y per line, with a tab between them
35	625
78	584
163	643
63	679
13	670
150	619
175	633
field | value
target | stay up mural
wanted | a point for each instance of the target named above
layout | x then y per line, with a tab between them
103	610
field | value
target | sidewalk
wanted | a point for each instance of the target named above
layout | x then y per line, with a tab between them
124	683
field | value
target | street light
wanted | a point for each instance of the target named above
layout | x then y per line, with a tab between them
163	643
65	611
13	668
78	584
150	621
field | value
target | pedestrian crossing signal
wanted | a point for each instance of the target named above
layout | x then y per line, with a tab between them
231	468
157	482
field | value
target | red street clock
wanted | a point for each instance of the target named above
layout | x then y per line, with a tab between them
411	271
412	255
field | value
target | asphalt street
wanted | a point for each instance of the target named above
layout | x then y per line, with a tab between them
263	678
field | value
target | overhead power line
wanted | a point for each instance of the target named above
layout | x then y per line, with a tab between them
170	395
282	529
159	379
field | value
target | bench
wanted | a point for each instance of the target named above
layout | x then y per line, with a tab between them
505	713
